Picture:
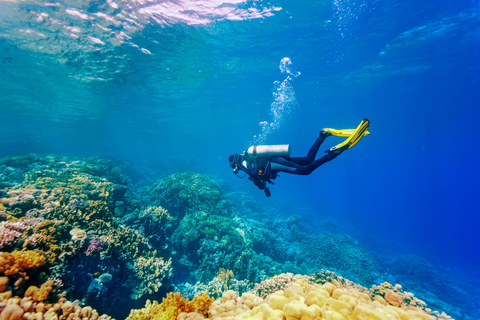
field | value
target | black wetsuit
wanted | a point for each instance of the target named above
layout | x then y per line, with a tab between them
264	169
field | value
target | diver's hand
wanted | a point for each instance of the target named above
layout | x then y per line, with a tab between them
267	192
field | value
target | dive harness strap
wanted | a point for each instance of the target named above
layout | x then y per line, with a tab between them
262	175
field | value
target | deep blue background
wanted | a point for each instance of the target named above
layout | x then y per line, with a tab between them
411	67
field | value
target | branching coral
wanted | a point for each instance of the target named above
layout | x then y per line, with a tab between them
223	282
149	272
10	232
50	234
94	247
124	241
155	224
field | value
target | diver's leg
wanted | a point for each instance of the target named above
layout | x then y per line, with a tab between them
306	170
279	164
303	161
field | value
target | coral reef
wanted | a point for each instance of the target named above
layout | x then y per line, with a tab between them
42	303
342	252
292	297
215	288
112	245
181	192
276	283
150	272
69	212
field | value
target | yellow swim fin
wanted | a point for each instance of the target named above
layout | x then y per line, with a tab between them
355	136
342	132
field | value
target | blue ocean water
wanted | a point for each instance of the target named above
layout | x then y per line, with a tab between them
187	83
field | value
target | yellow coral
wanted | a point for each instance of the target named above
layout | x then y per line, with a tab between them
304	300
171	307
43	292
51	238
225	277
20	261
199	304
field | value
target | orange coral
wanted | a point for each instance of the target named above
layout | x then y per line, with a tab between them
173	305
20	261
39	294
12	312
393	298
3	283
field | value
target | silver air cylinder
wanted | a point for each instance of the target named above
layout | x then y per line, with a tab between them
280	150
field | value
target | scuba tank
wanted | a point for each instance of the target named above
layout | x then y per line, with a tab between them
280	150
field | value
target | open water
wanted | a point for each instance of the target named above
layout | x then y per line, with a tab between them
187	83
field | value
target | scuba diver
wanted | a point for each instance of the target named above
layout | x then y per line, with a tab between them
263	163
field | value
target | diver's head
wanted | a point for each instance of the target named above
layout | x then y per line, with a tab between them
233	163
